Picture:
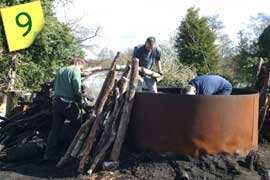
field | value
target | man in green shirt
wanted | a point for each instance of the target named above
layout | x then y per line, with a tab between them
67	97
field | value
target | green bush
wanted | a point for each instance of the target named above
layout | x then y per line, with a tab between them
175	73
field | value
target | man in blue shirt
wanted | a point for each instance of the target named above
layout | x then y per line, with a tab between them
148	54
208	85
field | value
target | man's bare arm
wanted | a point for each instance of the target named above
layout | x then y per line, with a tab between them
158	65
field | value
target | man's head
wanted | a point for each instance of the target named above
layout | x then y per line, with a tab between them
78	63
150	43
188	90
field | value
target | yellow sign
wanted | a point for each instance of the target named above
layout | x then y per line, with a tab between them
22	23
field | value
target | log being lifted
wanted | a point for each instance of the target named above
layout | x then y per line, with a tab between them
151	73
125	117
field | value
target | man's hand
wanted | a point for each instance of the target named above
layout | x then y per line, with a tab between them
161	73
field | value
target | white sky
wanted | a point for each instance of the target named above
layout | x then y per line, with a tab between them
127	23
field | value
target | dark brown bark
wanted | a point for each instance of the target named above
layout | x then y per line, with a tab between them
123	82
109	123
100	156
104	87
125	117
102	99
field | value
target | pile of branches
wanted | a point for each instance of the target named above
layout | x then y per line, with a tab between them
104	126
28	125
103	133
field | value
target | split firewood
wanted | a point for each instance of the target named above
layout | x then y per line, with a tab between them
125	117
151	73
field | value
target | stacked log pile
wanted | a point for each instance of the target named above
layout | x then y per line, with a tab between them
102	134
27	125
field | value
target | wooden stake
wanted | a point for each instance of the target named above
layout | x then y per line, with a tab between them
102	99
125	117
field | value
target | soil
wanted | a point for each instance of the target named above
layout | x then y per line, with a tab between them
149	166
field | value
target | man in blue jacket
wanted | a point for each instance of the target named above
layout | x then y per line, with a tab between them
147	55
208	85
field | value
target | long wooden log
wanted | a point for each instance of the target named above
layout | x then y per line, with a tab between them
121	88
107	138
80	142
104	87
90	140
98	69
108	135
109	122
103	97
98	158
123	82
125	117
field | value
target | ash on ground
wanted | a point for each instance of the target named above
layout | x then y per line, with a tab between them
150	166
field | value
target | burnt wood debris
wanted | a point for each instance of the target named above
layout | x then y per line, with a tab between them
103	130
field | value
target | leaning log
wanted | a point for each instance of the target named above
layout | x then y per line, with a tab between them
98	158
82	132
105	84
107	137
125	117
109	122
123	82
102	99
82	137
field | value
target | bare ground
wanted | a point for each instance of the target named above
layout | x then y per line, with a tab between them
149	166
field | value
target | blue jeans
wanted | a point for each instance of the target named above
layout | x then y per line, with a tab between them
148	83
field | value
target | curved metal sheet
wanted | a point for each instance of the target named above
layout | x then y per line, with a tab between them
169	122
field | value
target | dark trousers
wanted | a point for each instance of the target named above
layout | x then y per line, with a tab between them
61	111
